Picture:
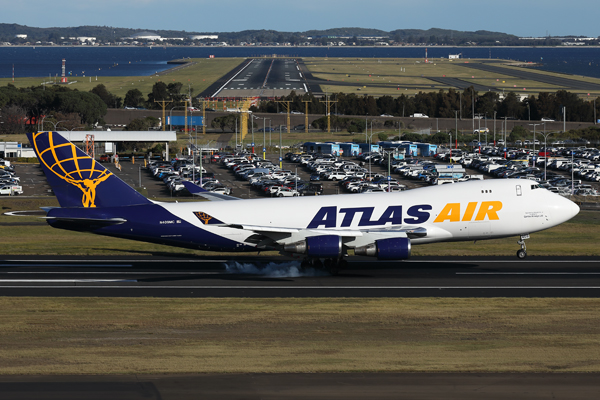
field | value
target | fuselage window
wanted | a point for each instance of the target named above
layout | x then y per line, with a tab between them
518	190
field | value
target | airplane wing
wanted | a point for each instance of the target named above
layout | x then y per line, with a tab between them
409	231
198	191
270	235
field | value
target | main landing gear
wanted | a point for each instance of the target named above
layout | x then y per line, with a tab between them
331	265
522	253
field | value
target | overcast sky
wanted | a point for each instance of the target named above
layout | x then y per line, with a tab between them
518	17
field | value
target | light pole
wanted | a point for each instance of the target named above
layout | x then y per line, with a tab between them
546	150
455	128
253	118
56	123
495	128
171	116
534	157
265	137
44	117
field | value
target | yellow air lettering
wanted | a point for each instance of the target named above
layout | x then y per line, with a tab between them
489	208
451	212
470	211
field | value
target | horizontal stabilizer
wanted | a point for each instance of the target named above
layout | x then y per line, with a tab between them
83	224
198	191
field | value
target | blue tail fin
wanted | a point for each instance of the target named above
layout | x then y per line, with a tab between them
77	179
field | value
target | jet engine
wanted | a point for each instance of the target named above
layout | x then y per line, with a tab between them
326	246
386	249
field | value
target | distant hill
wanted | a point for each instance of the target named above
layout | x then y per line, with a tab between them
108	34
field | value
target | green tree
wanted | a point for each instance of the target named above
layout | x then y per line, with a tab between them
133	98
138	124
88	106
108	98
518	132
159	92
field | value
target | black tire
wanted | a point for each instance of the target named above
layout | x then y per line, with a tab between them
521	254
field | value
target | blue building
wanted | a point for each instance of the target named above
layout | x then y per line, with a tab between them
426	149
325	148
350	149
365	148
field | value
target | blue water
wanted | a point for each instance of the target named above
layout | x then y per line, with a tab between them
144	61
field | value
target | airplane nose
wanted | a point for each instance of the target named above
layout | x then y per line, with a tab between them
573	209
567	209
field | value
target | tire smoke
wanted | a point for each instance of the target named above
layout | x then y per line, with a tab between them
291	269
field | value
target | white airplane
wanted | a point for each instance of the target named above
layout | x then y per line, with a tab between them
321	229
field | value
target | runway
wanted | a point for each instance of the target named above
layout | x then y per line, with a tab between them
265	77
262	277
303	386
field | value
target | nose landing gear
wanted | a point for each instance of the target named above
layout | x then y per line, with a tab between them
522	253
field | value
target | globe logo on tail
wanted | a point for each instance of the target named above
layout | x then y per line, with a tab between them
70	164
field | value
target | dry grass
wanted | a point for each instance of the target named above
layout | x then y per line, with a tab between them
409	76
104	336
200	75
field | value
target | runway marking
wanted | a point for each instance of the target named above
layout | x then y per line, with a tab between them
497	261
227	83
69	265
527	273
308	287
109	272
118	261
63	280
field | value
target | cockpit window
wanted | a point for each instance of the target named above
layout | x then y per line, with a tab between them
535	187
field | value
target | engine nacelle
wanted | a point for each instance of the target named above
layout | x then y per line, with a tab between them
386	249
326	246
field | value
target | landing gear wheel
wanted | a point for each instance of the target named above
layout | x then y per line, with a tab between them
522	253
331	265
305	264
343	264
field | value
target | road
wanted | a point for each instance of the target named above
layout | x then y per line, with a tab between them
269	277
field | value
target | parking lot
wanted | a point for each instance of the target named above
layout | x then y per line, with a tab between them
136	175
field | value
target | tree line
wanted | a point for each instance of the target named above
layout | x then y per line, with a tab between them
447	104
19	107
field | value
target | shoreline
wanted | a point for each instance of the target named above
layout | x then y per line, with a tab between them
304	47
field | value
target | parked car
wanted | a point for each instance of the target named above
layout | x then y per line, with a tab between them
11	190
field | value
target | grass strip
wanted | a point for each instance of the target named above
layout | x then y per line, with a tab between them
142	335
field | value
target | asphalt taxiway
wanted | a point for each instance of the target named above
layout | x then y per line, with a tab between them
268	277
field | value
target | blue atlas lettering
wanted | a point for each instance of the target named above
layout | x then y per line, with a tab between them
326	216
418	213
365	219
